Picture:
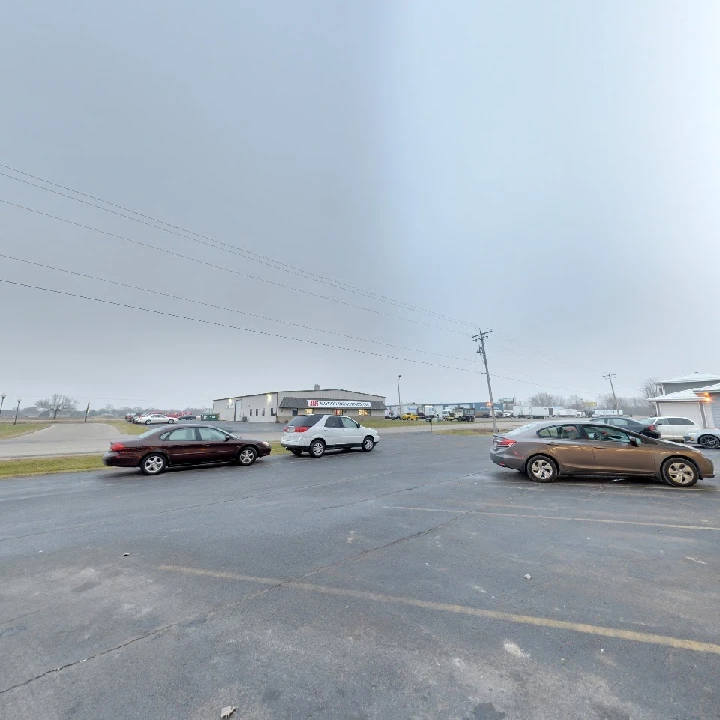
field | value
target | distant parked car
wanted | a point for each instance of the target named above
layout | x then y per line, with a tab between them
153	419
314	434
159	448
643	426
547	450
409	416
674	428
130	417
186	418
706	437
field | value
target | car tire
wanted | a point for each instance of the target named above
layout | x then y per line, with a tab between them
679	472
542	469
247	456
147	422
171	421
711	442
368	444
296	453
317	448
153	464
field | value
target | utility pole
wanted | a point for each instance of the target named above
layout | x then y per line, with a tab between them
480	339
399	401
2	400
17	409
610	377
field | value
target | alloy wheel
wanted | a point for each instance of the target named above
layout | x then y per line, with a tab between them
153	464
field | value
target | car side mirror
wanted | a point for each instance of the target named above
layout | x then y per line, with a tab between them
227	437
634	442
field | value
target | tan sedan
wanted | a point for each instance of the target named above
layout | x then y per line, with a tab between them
548	449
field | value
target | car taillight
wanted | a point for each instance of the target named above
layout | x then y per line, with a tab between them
301	429
505	442
286	428
652	427
114	447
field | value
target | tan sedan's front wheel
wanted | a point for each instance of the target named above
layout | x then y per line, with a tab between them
542	469
679	472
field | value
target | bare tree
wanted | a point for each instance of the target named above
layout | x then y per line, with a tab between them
650	388
57	404
544	399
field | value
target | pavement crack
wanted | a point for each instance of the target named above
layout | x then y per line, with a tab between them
90	657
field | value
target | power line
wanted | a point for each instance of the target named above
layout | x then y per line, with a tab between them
227	270
224	309
217	244
255	331
249	254
244	312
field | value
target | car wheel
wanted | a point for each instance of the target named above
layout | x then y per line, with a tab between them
541	469
296	453
147	422
679	472
247	456
317	448
153	464
709	441
368	444
171	421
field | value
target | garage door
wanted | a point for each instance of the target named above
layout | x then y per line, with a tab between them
716	413
688	410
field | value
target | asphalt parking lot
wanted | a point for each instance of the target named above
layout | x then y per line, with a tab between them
383	585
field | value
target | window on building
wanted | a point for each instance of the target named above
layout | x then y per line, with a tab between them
263	412
337	411
308	411
272	411
295	412
363	411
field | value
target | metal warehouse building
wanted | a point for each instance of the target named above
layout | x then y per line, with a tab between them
280	406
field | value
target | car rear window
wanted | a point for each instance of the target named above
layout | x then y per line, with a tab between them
148	433
304	420
520	430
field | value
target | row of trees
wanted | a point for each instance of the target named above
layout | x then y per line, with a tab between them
638	405
66	406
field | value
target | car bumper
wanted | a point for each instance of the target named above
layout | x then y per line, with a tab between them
113	459
508	459
294	442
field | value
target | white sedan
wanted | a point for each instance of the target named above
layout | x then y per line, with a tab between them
705	437
153	419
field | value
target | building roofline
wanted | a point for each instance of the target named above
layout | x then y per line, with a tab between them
290	392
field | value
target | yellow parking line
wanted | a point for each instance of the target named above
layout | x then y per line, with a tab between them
556	517
649	638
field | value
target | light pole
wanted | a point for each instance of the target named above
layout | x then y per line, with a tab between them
17	409
2	400
399	401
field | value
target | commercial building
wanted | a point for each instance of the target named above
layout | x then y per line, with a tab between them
281	405
692	396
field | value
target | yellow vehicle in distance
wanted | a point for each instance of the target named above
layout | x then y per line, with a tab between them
408	416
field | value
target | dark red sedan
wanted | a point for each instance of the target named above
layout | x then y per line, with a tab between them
156	449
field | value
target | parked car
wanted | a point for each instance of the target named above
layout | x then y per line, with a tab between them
674	428
187	418
448	415
314	434
547	450
153	419
130	417
408	416
705	437
159	448
644	426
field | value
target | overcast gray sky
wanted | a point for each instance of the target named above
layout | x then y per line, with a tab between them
548	170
